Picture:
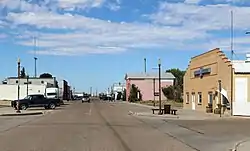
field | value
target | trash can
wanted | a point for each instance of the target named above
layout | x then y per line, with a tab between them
167	109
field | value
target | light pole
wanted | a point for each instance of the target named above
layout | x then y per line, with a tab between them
219	81
159	66
27	84
18	87
154	90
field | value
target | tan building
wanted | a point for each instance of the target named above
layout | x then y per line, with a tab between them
201	83
201	80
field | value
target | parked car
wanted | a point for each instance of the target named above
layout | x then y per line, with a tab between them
37	100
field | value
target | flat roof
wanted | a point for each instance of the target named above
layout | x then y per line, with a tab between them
152	75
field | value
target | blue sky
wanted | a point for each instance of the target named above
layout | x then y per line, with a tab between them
95	42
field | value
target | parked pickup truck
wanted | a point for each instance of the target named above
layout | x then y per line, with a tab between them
37	100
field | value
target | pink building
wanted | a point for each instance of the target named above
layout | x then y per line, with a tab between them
147	83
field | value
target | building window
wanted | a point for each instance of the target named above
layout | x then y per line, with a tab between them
42	82
210	97
16	81
199	98
187	98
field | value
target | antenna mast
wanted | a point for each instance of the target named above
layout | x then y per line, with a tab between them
232	70
35	58
232	35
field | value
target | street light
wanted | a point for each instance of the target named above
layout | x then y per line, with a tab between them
18	87
248	32
219	82
159	66
27	76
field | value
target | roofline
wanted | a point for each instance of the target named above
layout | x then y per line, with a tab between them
218	49
29	78
242	73
150	78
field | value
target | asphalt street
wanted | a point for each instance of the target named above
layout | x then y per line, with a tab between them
97	126
108	126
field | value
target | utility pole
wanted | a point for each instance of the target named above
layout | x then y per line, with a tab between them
35	58
145	65
27	84
219	81
18	87
154	90
159	66
232	53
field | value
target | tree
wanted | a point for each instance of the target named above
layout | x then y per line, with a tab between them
23	74
178	74
169	92
134	91
46	75
177	88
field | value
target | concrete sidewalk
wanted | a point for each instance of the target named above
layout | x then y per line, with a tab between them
5	103
182	114
9	111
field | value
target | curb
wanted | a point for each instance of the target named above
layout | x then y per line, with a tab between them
142	105
236	147
22	114
153	115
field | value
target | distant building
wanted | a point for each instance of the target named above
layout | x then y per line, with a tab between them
32	80
118	88
148	84
33	85
65	89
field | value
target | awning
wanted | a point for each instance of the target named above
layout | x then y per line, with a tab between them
223	92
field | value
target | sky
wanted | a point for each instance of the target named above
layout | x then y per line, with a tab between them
94	43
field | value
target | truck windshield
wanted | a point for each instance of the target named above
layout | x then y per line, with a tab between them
27	97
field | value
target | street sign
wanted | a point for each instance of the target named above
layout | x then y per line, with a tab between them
156	94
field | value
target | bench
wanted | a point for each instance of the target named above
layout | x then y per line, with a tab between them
156	110
173	111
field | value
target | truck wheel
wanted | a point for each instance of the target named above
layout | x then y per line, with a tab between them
52	105
23	107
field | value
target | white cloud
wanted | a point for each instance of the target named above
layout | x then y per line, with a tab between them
21	5
192	1
176	26
113	7
80	3
98	36
201	18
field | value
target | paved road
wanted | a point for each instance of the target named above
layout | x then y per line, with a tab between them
92	126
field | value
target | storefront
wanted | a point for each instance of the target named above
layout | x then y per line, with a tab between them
209	80
201	82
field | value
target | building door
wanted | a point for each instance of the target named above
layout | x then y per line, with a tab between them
210	99
193	101
241	105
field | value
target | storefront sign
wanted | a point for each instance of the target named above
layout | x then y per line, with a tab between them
202	71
